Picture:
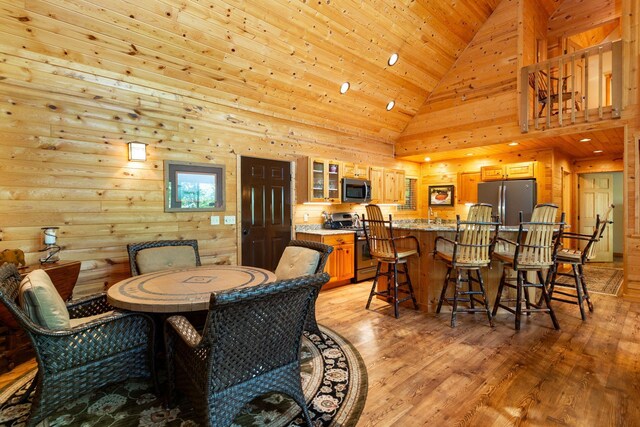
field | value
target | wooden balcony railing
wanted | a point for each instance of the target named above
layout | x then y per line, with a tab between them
579	87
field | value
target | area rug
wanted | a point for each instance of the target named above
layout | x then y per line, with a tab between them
334	381
599	280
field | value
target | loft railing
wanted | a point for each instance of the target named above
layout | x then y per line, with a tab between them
579	87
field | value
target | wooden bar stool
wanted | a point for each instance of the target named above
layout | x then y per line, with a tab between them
382	246
577	258
471	251
533	251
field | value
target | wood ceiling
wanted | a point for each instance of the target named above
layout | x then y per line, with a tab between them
285	59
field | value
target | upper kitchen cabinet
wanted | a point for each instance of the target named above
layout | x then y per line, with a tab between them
318	180
522	170
354	170
394	186
376	176
467	191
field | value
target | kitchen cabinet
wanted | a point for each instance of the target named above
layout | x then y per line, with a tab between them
318	180
376	176
394	186
341	262
522	170
468	187
354	170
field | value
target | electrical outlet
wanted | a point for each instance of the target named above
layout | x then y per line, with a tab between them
229	219
306	217
215	220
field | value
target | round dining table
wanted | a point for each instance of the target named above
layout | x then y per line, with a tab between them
183	290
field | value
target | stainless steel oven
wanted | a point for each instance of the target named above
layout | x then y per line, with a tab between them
365	265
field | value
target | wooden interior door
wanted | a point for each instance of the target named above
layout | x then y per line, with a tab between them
266	211
595	193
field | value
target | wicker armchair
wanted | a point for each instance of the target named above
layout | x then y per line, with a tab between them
73	362
471	250
248	347
533	251
163	258
283	272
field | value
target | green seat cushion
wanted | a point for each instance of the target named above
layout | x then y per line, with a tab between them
297	261
41	301
164	258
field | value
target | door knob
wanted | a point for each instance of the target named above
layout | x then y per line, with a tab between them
245	231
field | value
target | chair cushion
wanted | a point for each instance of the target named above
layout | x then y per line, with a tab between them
296	262
165	257
41	301
82	320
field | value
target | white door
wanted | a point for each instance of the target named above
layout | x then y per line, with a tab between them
596	195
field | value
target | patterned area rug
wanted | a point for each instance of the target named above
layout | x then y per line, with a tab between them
599	280
334	381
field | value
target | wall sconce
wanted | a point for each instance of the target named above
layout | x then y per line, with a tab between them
137	151
49	238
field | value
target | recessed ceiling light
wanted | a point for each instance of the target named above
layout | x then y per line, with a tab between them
469	154
598	151
390	105
513	144
585	140
427	159
345	87
393	59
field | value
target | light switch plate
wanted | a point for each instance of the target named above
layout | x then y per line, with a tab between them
215	220
229	219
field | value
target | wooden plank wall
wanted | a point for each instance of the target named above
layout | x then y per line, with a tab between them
71	98
476	103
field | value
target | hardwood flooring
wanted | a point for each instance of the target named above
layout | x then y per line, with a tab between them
422	372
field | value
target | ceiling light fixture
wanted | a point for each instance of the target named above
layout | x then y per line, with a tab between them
469	154
513	144
393	59
585	140
598	151
427	159
345	87
390	105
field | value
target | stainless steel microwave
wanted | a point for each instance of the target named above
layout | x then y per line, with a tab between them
356	190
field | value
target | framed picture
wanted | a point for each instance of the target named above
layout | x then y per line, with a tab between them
441	195
193	187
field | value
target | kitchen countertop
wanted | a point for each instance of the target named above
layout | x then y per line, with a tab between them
324	231
416	225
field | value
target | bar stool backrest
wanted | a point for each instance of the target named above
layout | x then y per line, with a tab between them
475	239
539	247
591	251
379	234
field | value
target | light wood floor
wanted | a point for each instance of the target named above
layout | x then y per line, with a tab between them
422	372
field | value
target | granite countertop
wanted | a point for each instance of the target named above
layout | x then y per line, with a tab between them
406	224
324	231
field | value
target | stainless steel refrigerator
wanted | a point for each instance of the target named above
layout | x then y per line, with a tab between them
508	198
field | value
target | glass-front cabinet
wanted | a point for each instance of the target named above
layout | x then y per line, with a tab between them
324	180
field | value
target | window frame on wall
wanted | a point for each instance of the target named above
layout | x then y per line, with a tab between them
411	195
195	174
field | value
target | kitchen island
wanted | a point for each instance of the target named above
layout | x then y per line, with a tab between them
427	274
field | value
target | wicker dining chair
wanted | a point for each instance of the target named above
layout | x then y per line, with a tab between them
105	348
468	252
301	258
147	257
577	258
249	346
533	251
383	248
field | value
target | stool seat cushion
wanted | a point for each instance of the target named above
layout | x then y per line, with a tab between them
297	261
569	255
164	258
41	301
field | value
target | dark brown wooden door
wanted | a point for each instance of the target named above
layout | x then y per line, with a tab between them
266	211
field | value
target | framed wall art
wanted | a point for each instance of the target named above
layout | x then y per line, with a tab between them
441	195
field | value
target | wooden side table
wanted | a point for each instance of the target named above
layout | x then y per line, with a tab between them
14	343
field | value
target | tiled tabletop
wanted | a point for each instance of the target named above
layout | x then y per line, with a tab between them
182	290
